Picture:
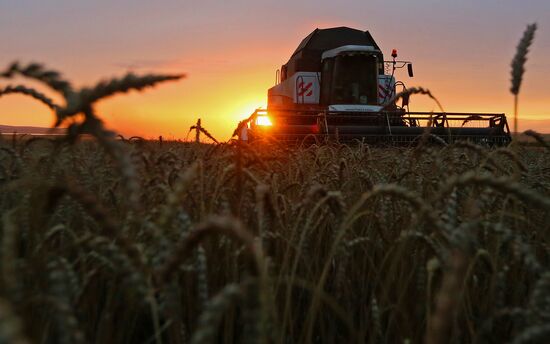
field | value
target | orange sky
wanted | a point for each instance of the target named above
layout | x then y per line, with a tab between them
461	52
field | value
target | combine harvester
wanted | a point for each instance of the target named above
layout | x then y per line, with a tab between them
337	85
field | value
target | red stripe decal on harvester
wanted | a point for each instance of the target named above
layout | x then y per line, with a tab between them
305	88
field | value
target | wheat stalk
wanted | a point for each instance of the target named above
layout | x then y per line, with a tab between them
67	323
200	129
10	325
407	93
447	300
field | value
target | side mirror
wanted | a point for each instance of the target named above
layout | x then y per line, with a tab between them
410	69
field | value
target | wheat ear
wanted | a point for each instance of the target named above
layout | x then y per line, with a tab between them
533	334
83	100
213	312
537	137
19	89
518	67
215	225
501	184
518	63
37	71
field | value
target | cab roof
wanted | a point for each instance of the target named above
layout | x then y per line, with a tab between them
307	57
327	39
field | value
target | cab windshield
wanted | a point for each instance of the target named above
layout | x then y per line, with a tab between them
350	79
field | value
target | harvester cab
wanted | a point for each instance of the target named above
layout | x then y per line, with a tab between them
337	84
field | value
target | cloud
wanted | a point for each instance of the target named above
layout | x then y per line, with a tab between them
155	64
145	64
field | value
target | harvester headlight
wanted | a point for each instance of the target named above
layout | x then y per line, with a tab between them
263	120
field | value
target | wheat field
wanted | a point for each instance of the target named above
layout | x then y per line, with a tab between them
229	243
115	240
